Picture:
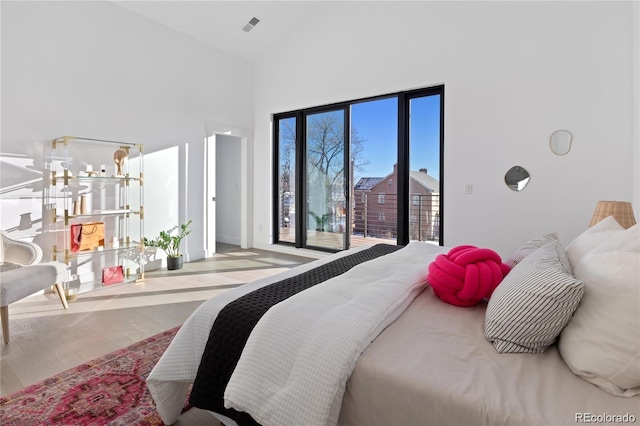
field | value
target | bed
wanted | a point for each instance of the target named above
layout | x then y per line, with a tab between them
411	359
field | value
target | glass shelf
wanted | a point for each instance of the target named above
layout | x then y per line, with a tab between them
108	248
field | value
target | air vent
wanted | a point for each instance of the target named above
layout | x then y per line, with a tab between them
249	26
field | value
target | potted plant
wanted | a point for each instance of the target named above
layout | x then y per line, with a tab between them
169	242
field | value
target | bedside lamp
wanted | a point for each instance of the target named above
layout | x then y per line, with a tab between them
620	210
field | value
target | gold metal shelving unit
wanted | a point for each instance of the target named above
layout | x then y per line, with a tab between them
84	185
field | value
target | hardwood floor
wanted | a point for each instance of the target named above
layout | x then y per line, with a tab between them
46	340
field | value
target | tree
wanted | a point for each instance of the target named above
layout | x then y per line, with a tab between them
325	145
325	166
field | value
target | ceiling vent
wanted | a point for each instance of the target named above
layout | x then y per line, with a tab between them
249	26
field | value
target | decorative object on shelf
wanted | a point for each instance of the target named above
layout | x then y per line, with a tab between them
76	237
169	242
622	212
84	201
119	157
560	142
517	178
112	275
92	235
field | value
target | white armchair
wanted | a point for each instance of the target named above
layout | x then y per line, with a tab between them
21	275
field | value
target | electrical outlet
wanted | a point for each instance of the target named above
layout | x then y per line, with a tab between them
468	188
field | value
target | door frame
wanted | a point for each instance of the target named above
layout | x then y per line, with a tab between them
246	178
301	144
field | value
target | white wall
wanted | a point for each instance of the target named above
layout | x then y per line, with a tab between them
228	191
513	73
95	69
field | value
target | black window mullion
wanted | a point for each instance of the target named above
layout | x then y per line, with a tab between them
441	177
301	177
275	181
403	170
347	175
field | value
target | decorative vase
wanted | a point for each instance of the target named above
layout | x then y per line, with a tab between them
84	208
174	263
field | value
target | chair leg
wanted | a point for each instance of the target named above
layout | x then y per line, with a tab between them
63	298
4	318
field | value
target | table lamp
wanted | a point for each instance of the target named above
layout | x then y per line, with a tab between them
621	211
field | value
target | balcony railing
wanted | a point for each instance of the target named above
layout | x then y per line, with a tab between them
375	217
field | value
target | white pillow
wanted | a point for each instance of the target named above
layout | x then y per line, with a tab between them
592	238
533	303
601	343
529	247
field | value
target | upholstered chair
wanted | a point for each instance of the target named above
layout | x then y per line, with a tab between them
22	275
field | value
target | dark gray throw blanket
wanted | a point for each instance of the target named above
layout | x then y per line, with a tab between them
236	320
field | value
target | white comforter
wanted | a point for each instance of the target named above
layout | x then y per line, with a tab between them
295	365
312	390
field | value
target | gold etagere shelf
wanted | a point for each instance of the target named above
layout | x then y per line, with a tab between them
97	185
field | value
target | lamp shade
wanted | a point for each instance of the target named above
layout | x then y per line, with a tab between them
621	211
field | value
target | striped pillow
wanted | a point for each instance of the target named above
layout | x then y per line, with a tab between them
529	247
534	302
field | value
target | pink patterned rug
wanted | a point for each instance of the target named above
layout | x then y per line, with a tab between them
110	390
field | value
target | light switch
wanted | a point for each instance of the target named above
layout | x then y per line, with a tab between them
468	188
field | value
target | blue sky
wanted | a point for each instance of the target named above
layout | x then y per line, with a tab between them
376	123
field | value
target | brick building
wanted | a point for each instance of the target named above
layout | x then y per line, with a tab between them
375	206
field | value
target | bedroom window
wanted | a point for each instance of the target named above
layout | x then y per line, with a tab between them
286	178
350	172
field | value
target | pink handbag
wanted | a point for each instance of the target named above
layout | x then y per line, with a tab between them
76	237
112	275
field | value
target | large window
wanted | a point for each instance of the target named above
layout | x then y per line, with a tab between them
360	172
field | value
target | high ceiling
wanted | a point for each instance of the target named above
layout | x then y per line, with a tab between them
220	23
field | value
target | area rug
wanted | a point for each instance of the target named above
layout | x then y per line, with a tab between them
110	390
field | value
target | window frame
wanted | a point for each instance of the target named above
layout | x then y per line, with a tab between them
404	197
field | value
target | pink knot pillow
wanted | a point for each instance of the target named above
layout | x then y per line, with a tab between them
466	275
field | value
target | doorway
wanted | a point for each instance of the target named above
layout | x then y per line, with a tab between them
227	182
228	205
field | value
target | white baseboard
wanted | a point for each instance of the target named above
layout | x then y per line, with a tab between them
228	240
292	250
